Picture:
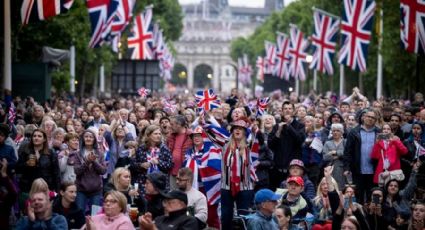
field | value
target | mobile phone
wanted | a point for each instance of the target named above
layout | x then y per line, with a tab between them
375	198
383	136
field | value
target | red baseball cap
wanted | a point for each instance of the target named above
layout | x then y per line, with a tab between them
296	179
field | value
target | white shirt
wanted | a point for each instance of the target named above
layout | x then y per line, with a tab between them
131	129
198	200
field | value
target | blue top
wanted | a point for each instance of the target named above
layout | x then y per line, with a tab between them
258	221
56	222
368	140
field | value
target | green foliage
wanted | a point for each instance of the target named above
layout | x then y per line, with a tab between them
399	66
60	80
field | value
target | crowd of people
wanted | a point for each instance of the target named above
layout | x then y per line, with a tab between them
308	162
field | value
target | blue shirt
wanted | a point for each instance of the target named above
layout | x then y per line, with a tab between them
368	140
258	221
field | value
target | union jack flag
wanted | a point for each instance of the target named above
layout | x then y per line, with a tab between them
412	25
143	92
262	106
206	100
142	37
297	53
270	57
166	63
11	115
158	42
324	42
282	56
260	68
122	16
43	9
168	106
101	14
245	70
356	25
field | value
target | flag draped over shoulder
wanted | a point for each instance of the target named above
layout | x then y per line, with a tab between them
356	25
412	26
324	42
39	10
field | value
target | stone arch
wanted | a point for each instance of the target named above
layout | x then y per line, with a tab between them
203	74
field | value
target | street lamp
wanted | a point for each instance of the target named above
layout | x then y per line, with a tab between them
209	76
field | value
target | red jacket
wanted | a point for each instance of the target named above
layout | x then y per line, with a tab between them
394	151
178	152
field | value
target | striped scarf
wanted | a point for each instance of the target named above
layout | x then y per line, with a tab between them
238	164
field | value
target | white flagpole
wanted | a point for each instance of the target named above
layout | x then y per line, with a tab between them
315	80
379	76
341	80
297	87
72	69
7	69
102	79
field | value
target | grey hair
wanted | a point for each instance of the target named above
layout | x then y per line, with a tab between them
338	126
180	119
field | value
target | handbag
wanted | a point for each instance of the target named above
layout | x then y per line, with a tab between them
387	175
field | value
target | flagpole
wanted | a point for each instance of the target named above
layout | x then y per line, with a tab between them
297	87
324	12
379	76
102	79
341	80
315	80
7	69
72	70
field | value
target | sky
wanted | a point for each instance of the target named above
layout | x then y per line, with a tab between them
248	3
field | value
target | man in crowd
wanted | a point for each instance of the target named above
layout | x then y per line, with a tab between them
96	112
357	152
285	141
197	202
265	201
292	198
40	215
175	205
178	142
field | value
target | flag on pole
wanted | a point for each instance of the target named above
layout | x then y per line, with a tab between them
356	25
141	37
282	56
412	25
11	115
39	10
245	70
206	100
324	42
269	60
297	53
101	13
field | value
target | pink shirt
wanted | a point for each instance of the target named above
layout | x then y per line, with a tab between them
119	222
177	153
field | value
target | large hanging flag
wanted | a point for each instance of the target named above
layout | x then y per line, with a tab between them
122	16
297	53
158	42
141	36
269	60
356	25
39	10
324	41
412	25
101	13
282	56
260	68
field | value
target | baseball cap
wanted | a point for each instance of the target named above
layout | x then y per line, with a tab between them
296	162
176	194
264	195
296	179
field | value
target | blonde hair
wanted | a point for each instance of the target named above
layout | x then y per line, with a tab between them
119	197
115	177
263	118
39	185
242	144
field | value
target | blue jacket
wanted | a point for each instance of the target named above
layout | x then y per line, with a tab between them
56	222
258	221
